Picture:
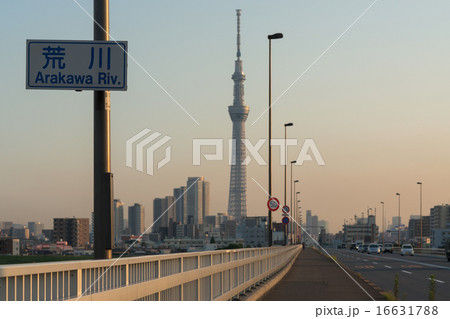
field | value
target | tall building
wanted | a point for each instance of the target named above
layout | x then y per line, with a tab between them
197	195
237	198
314	226
308	220
180	204
35	229
440	216
73	230
118	219
136	219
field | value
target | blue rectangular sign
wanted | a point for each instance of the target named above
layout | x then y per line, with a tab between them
77	65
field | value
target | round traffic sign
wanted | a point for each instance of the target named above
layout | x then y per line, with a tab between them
285	220
285	209
273	204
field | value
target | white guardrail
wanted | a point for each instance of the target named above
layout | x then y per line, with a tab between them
214	275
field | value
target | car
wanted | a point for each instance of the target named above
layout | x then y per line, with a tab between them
363	248
388	248
407	249
354	246
373	249
341	246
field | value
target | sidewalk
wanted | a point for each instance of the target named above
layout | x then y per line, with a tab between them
316	277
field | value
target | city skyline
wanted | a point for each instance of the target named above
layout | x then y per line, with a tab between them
375	105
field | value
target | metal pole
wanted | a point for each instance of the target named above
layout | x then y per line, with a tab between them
285	162
398	219
292	221
421	234
103	218
382	222
270	140
362	225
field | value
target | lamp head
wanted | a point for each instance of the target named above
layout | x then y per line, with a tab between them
275	36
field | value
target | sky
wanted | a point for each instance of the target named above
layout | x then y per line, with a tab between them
376	103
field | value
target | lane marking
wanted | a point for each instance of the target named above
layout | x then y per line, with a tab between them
439	281
416	262
387	266
374	262
364	259
407	272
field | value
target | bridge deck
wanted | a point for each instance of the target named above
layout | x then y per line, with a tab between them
316	277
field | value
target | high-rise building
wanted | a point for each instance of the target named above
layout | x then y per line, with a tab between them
118	219
237	199
136	219
180	204
197	195
308	221
35	229
73	230
163	212
314	225
440	216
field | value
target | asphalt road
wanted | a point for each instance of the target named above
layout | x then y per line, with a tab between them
414	272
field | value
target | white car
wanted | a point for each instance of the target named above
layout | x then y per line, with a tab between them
407	249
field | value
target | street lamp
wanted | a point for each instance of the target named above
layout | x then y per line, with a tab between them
398	194
295	209
292	226
285	157
286	227
271	37
421	234
294	219
382	222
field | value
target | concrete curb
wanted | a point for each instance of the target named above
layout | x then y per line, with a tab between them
266	287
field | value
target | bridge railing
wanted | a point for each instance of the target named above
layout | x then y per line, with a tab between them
214	275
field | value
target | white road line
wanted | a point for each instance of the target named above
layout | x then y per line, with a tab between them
358	258
415	262
364	259
374	262
387	266
407	272
439	281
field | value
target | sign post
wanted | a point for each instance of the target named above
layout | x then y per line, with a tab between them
103	178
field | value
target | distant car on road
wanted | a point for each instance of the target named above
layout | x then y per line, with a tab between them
363	248
388	248
407	249
354	246
373	249
341	246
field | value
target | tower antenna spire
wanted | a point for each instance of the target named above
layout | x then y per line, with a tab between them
238	40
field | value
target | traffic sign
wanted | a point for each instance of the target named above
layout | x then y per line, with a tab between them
76	65
285	220
285	209
273	204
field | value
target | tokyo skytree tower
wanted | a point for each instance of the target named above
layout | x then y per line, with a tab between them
237	200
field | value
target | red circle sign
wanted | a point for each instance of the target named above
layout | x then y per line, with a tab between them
273	204
285	209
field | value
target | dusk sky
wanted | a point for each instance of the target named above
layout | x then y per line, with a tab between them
376	104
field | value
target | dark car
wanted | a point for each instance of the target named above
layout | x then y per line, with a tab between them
363	248
354	246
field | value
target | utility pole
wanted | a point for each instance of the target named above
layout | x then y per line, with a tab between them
103	179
